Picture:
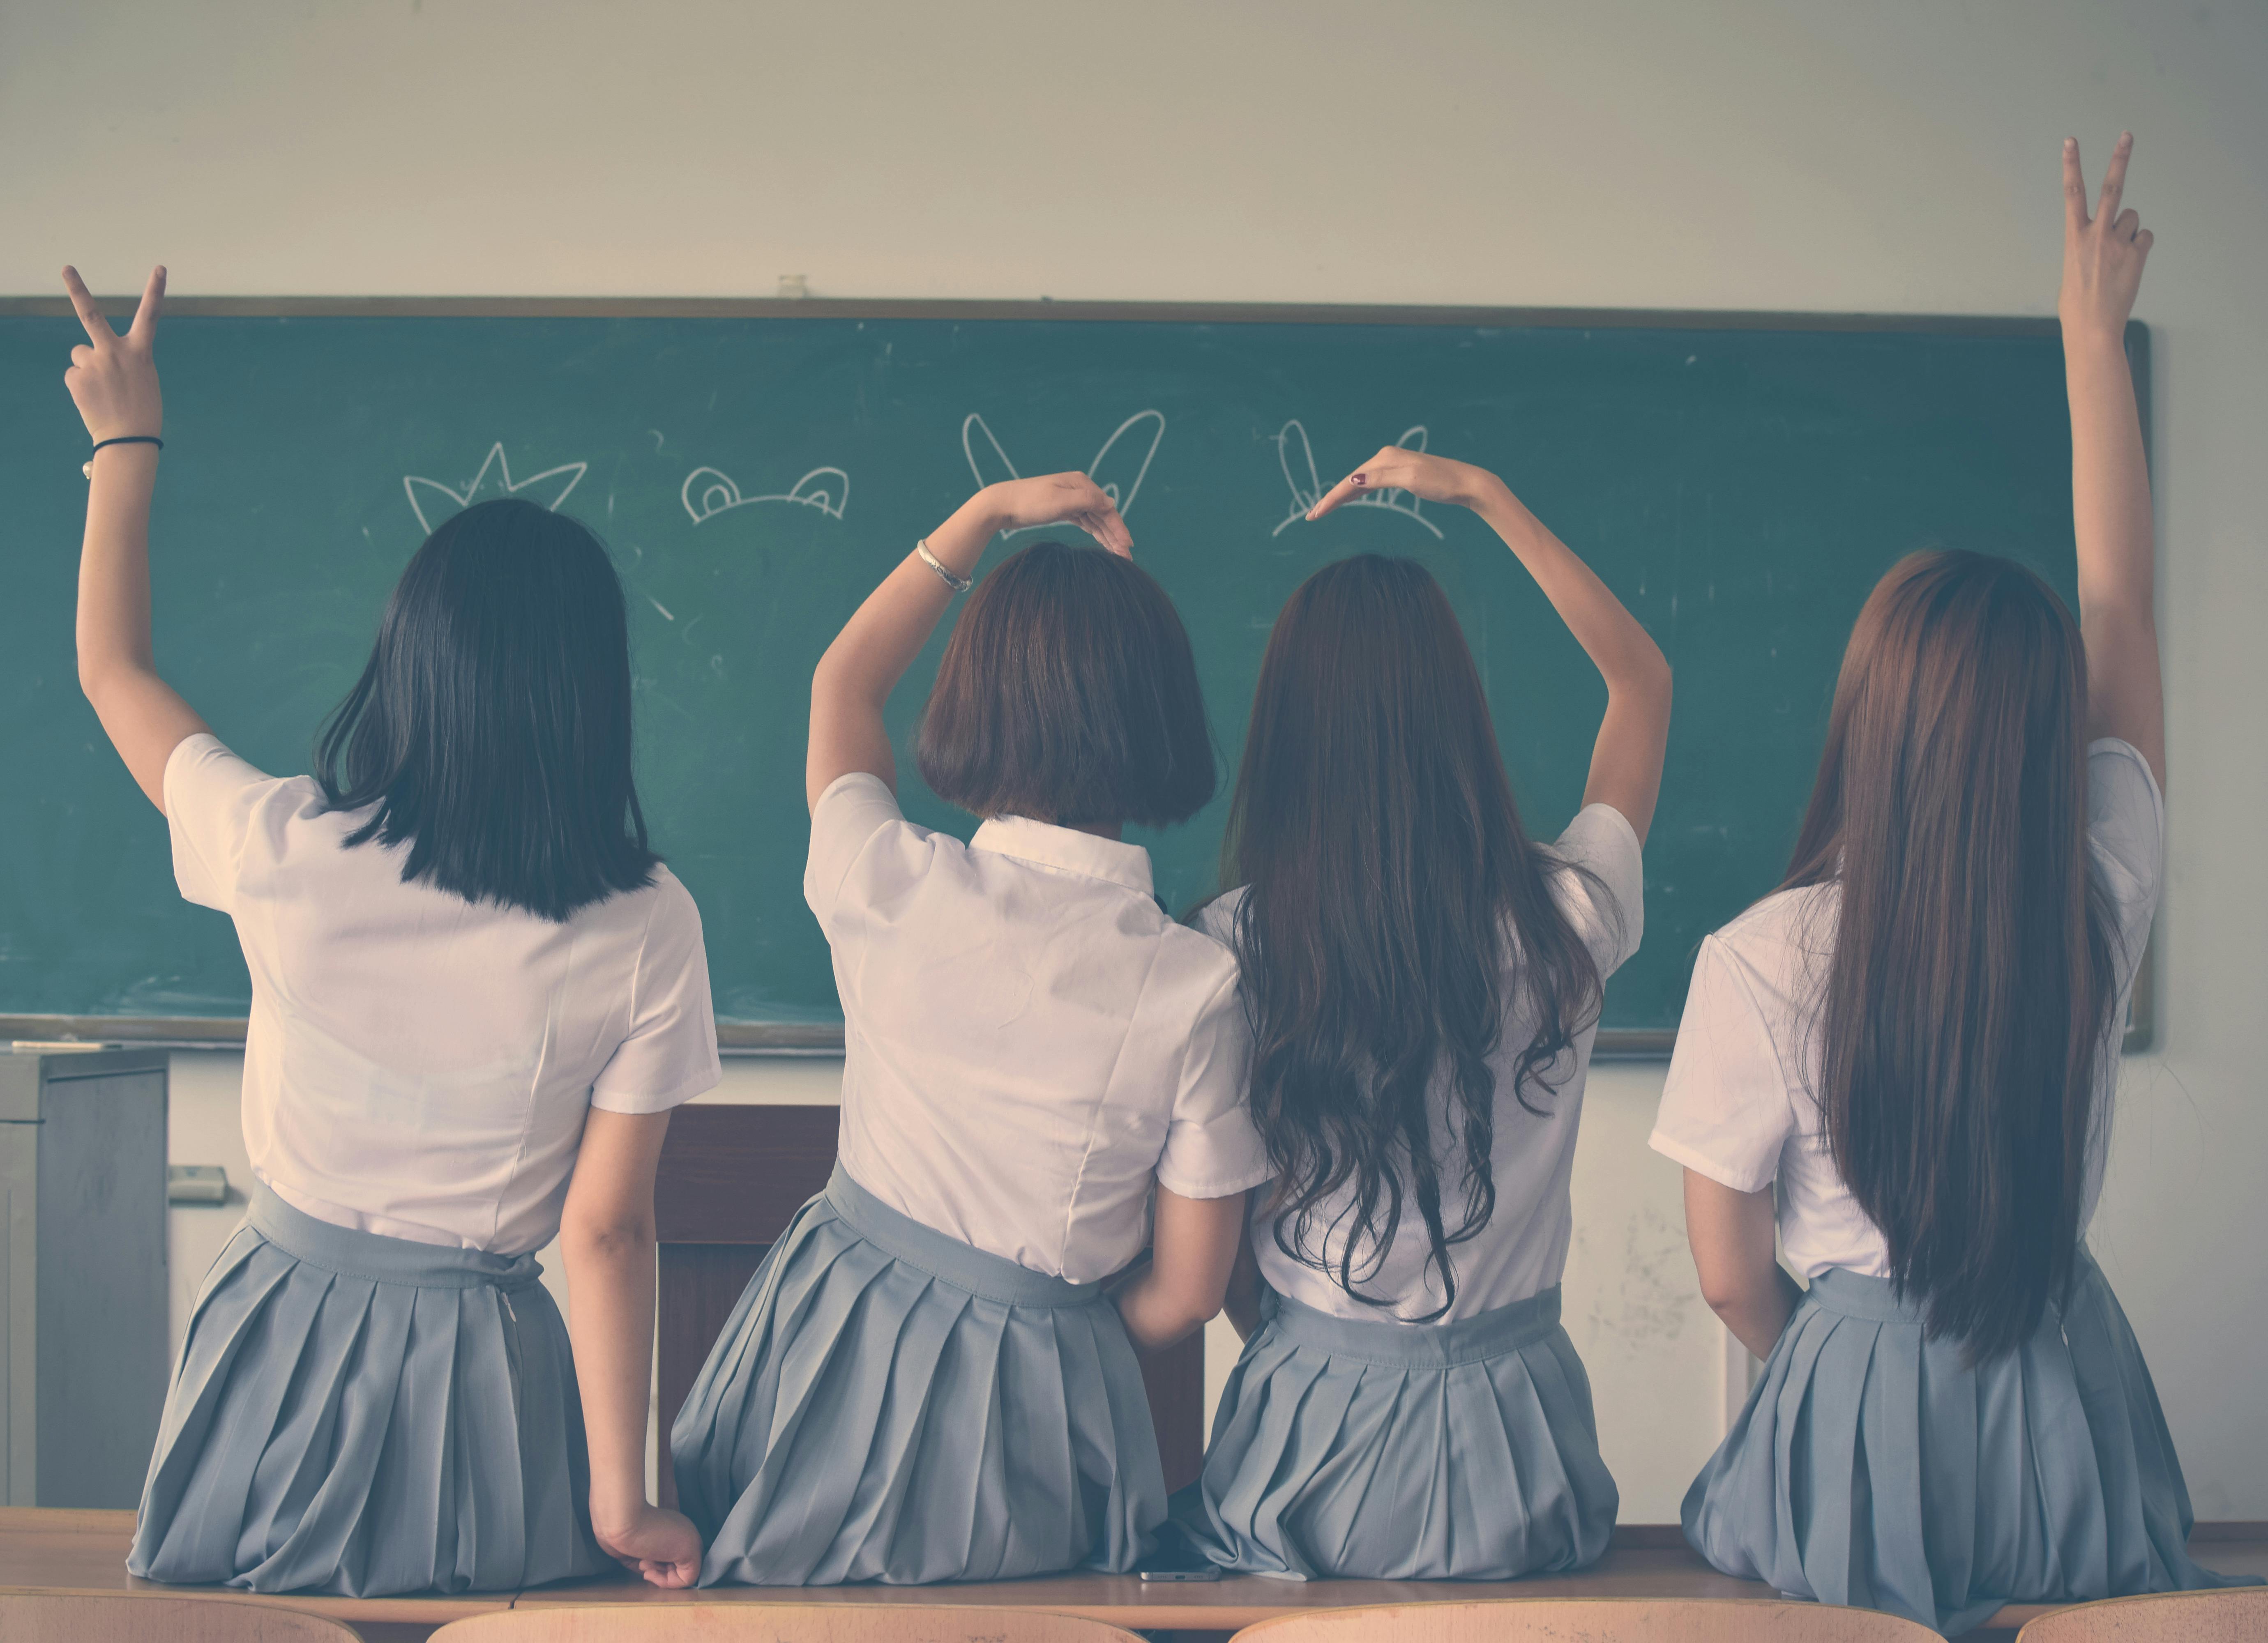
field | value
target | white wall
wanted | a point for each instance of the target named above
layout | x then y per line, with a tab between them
1743	154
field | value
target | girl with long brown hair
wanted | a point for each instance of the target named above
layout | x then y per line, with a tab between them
1423	984
1902	1064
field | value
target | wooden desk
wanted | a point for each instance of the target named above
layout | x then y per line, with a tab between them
61	1551
47	1549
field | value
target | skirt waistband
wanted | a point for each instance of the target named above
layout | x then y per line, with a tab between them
1484	1335
981	1274
1854	1295
352	1253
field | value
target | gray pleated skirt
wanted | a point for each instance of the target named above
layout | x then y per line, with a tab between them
1371	1450
1874	1467
890	1403
361	1416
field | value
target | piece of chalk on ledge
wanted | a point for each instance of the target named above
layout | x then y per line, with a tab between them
195	1184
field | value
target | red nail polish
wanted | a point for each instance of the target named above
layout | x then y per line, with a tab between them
1359	479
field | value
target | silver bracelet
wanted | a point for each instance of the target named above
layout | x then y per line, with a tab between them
959	584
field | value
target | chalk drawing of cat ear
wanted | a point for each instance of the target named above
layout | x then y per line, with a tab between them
707	493
1298	460
1127	452
434	503
827	489
986	460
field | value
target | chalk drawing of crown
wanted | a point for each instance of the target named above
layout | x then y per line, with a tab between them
1298	460
433	502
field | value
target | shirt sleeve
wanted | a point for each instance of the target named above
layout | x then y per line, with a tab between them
1725	1109
2126	843
210	796
1212	1149
855	808
670	1055
1608	906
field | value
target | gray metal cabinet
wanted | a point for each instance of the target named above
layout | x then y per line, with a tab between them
82	1289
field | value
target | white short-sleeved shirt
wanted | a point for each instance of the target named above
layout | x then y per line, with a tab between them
417	1065
1523	1250
1739	1103
1029	1040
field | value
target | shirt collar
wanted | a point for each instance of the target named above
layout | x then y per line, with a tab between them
1046	845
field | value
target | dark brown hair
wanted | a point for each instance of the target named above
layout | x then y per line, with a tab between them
1966	1005
1392	908
1067	693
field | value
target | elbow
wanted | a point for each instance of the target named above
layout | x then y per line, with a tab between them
610	1239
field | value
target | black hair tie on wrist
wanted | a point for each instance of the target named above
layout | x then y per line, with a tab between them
87	466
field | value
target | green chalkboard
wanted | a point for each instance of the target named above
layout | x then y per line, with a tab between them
1739	481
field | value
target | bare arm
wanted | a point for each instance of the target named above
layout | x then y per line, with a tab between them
1742	1279
2102	259
1193	1245
607	1234
1242	1301
1634	735
113	382
880	642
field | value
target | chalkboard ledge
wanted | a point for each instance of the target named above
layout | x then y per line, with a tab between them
733	1037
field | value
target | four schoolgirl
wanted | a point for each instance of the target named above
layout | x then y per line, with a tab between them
1342	1101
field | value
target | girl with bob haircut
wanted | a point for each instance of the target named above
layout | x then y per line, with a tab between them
1902	1061
1422	982
475	995
926	1380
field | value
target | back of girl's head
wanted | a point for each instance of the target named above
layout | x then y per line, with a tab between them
1966	1005
1068	694
1389	887
491	728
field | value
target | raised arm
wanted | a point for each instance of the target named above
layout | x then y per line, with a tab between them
1626	759
880	642
113	382
2102	258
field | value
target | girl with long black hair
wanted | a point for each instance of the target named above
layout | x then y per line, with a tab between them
476	994
1422	982
1902	1064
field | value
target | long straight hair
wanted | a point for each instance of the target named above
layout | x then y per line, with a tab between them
490	730
1966	1005
1389	893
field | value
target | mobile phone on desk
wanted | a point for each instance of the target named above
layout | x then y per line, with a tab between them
1176	1558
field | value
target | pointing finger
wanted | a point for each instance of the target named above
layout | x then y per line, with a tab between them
82	300
2114	177
145	329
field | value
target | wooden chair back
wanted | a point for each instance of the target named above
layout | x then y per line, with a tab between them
2237	1614
778	1623
1591	1620
131	1617
730	1180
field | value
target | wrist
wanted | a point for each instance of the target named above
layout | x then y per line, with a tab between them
615	1511
2083	337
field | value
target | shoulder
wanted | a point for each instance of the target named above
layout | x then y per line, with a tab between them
1598	872
1777	947
1217	918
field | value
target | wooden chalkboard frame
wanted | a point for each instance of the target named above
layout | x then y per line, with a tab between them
773	1038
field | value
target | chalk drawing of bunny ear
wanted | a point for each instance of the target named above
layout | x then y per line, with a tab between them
434	504
1298	460
986	460
1127	450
